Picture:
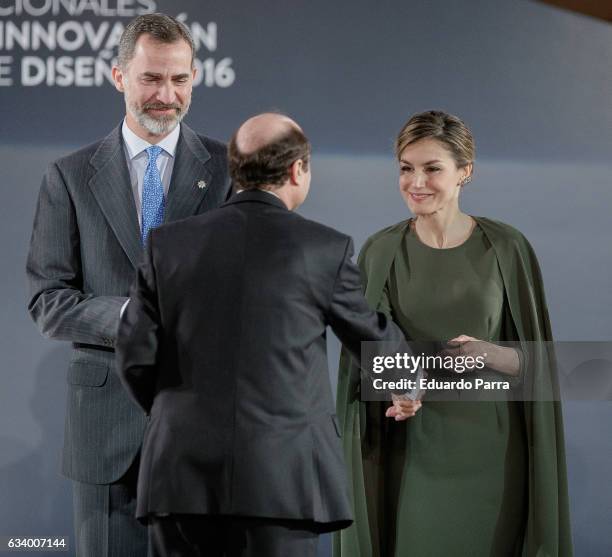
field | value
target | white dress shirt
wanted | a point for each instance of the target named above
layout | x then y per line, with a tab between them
266	191
137	160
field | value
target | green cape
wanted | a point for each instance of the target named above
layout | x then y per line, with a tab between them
548	527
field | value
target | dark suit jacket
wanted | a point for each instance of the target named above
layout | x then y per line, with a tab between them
83	256
224	344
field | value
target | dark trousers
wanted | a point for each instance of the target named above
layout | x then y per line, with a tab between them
104	522
226	536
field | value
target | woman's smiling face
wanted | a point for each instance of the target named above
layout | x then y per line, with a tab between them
429	179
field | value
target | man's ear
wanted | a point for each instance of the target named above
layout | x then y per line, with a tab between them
118	79
295	172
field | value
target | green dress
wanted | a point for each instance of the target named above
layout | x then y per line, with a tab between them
460	478
463	483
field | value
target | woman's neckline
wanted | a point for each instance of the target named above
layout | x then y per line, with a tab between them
412	231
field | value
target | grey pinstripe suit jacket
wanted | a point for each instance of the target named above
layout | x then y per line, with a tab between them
84	250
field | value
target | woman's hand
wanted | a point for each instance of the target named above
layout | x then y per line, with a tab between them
499	358
403	409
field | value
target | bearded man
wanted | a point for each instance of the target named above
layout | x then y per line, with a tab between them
95	209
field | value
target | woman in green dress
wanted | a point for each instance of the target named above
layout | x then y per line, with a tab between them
454	478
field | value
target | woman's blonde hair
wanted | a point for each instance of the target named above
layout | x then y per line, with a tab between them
444	127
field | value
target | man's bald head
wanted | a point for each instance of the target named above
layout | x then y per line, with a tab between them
263	149
261	130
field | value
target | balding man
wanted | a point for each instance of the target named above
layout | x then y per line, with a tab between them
223	345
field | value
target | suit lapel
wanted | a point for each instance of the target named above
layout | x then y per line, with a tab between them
112	190
191	179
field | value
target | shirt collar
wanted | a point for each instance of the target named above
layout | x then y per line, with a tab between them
136	145
265	191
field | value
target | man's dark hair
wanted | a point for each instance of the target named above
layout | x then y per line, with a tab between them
162	28
270	165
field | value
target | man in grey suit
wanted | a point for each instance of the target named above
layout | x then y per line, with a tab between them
242	456
95	209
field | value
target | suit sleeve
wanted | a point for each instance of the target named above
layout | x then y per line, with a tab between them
57	303
139	333
350	316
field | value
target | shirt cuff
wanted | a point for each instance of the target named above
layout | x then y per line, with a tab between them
123	308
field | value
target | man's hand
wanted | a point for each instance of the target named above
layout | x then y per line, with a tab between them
403	409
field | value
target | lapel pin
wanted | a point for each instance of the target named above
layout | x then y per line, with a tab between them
201	184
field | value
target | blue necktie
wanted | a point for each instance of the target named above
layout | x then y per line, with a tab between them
152	194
